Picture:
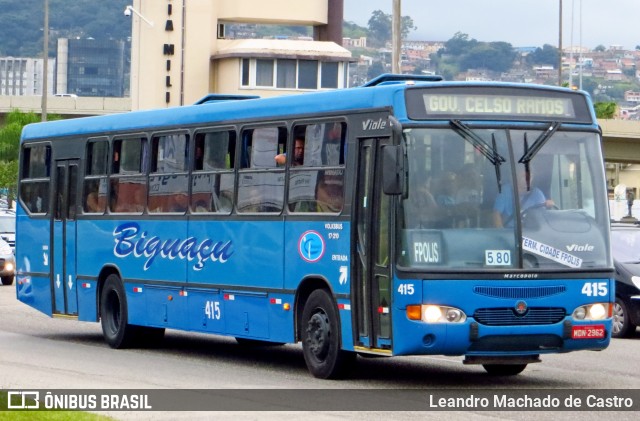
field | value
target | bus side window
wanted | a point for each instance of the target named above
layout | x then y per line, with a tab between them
34	187
317	185
168	186
94	195
261	182
128	185
212	181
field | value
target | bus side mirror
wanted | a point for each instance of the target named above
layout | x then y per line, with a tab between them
392	170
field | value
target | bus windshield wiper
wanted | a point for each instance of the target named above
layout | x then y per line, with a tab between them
529	153
489	151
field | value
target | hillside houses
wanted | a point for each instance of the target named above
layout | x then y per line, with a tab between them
607	72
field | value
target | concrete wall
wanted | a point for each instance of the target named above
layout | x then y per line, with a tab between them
80	106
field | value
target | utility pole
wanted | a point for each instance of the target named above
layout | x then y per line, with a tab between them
396	37
45	61
560	46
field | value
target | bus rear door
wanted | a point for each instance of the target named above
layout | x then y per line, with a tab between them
371	288
65	301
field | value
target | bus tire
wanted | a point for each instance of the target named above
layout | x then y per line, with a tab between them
504	369
114	316
321	338
7	280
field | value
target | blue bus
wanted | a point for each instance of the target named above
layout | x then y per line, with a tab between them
411	216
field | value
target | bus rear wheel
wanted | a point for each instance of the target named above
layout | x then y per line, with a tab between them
504	369
321	338
114	314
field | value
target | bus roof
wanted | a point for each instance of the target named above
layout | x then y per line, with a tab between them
360	98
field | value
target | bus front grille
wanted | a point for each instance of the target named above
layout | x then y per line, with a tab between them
508	317
520	293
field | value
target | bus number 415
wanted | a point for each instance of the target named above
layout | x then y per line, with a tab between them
212	310
595	289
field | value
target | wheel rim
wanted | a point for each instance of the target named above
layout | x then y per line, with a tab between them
319	335
618	318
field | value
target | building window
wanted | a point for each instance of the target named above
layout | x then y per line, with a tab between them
286	74
264	72
246	66
307	74
329	77
292	74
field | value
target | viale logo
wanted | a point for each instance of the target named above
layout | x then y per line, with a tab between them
577	247
374	124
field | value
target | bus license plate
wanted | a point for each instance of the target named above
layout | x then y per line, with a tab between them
588	332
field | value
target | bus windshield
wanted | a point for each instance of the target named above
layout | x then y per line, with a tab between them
502	198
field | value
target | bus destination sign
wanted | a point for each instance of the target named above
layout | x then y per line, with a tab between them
497	103
461	104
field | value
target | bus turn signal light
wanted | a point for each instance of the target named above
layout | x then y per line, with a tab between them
414	312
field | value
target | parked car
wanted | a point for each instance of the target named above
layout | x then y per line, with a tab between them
8	227
7	263
625	245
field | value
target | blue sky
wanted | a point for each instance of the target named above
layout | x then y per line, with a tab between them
519	22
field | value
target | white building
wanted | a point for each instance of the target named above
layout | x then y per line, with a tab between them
21	76
180	51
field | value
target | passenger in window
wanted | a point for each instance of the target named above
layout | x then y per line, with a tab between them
447	187
298	153
199	158
115	167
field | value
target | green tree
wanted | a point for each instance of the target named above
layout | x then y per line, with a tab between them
548	54
605	109
380	31
494	56
353	30
21	23
379	28
459	44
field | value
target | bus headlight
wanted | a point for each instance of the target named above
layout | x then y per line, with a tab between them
436	314
596	311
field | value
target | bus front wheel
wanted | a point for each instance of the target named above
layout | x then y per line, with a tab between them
504	369
114	314
321	338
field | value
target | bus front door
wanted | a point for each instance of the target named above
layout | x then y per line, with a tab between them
371	288
65	300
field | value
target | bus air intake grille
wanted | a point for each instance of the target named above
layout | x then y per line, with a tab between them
520	292
508	317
